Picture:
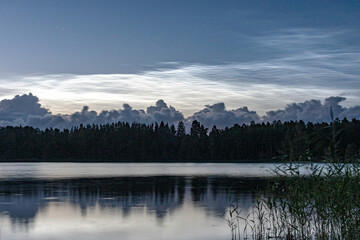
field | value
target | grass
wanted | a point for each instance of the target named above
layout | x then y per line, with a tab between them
325	204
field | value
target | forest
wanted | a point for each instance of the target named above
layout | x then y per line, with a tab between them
125	142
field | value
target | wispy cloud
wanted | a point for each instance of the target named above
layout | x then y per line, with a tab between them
304	63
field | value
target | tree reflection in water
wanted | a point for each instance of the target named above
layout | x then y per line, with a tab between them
21	201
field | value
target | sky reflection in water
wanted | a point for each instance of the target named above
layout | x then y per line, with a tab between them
144	207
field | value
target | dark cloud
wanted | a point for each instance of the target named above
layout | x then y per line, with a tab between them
311	110
47	121
17	110
161	112
333	102
218	115
314	111
350	113
26	110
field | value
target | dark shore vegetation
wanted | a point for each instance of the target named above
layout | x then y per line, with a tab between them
160	142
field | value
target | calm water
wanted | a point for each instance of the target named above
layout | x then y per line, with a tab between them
94	170
123	201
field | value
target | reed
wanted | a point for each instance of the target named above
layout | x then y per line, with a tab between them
324	204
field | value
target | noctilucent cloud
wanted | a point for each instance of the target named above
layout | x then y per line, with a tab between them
195	55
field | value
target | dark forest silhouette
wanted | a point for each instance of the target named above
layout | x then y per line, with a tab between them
293	140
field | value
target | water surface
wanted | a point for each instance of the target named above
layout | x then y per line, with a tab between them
125	201
93	170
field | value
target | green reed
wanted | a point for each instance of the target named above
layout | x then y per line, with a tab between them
323	204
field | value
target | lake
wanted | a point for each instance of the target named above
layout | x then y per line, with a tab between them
124	200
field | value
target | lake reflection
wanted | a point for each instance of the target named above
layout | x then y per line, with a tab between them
163	207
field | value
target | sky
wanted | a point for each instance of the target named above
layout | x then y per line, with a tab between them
222	62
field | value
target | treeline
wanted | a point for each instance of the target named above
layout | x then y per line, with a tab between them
293	140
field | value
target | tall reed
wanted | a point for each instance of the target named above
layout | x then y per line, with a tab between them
323	204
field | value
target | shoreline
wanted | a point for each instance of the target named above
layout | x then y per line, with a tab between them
160	161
